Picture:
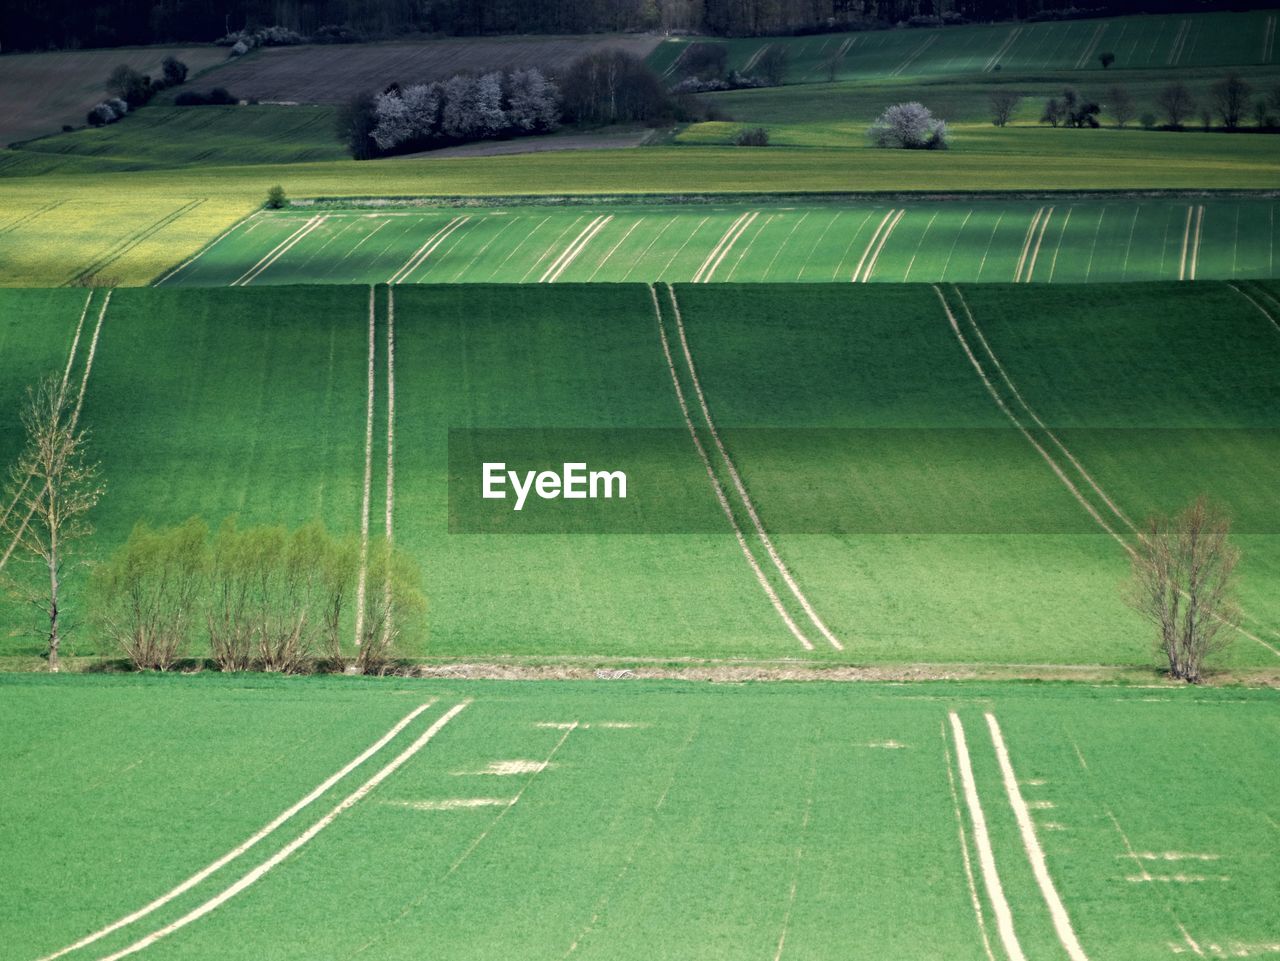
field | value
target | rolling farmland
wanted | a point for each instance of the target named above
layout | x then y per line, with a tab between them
832	542
634	822
1050	241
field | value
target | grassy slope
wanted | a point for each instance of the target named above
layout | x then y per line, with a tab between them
868	836
1010	588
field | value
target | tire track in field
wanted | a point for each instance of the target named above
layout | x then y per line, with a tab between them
783	571
131	241
1262	310
75	419
253	876
884	239
575	249
1031	843
913	56
421	255
205	249
278	251
391	456
964	849
982	840
742	254
799	856
550	247
25	219
721	249
1087	478
262	834
718	488
1087	53
1268	38
1179	43
362	577
1004	48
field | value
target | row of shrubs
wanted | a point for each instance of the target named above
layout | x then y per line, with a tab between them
130	89
261	598
242	41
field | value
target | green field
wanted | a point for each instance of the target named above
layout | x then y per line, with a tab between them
215	402
1071	240
640	821
1139	43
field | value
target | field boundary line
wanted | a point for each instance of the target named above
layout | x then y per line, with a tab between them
718	488
362	577
986	381
424	252
964	847
260	835
254	875
75	419
781	567
982	840
205	249
884	239
574	251
1035	853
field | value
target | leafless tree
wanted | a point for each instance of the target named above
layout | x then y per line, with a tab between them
1003	104
1231	99
1176	103
1120	104
51	490
1183	582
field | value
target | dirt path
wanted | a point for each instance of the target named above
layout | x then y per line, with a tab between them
964	849
362	578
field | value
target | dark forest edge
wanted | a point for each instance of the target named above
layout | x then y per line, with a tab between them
70	24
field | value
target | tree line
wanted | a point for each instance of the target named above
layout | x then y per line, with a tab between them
70	24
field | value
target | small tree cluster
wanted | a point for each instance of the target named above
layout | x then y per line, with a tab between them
128	88
242	41
751	137
1003	104
612	86
909	126
1071	110
464	108
217	97
265	598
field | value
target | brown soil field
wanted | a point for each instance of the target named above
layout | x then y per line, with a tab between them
332	74
39	92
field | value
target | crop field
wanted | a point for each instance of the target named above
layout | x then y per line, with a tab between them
321	74
859	523
1046	241
1144	42
391	820
39	92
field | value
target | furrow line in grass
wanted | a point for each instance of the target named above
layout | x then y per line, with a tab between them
741	489
1262	310
781	246
799	856
884	239
724	252
1057	249
1195	246
697	277
718	488
276	252
982	840
964	849
1087	54
755	57
518	247
919	246
1186	243
576	249
1001	50
131	241
914	56
362	576
1179	42
1013	419
205	249
467	267
276	859
260	835
614	249
857	271
1269	38
1026	244
391	459
742	254
427	249
1035	853
636	261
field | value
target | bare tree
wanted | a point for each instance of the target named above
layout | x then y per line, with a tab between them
1176	103
50	492
1231	99
1003	104
1120	104
1183	581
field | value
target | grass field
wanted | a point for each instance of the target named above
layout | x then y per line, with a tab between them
1139	43
885	543
962	240
637	821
